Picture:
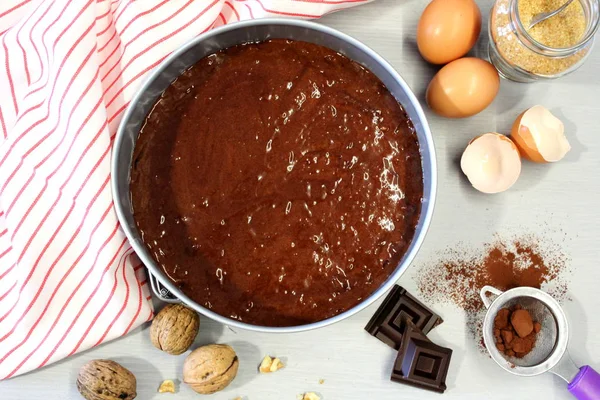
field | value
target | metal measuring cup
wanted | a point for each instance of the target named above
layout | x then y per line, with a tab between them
550	352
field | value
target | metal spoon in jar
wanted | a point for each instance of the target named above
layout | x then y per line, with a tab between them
537	18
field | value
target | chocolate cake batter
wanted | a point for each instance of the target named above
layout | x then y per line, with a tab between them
277	183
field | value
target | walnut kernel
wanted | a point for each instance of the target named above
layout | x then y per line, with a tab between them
269	365
308	396
168	386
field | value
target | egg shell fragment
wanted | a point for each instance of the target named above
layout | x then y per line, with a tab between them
539	135
491	162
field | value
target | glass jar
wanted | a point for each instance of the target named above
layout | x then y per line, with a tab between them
544	51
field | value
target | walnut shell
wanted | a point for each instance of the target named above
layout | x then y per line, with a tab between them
106	380
211	368
174	329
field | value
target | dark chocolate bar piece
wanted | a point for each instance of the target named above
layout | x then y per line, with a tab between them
420	362
387	324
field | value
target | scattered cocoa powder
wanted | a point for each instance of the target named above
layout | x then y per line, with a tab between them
459	275
515	332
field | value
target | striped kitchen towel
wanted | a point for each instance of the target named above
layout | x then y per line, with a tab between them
69	280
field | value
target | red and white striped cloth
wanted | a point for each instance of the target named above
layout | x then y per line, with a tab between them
69	279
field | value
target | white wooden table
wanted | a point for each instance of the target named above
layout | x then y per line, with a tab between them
356	366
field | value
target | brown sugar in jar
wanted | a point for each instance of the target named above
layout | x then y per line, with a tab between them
277	183
550	49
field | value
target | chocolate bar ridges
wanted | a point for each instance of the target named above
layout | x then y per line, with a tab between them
388	323
421	363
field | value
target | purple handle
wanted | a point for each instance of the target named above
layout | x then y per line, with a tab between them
586	385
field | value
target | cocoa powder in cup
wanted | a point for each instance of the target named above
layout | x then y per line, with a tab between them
460	273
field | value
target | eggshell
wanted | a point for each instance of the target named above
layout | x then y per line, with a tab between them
491	162
463	88
525	142
540	136
448	29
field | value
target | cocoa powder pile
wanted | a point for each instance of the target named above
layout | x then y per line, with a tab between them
504	263
515	332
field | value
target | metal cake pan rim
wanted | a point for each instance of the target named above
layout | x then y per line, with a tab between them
427	208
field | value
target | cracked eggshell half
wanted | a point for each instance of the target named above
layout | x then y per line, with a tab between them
491	162
540	136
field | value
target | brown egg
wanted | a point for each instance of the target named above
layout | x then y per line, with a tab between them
463	88
448	29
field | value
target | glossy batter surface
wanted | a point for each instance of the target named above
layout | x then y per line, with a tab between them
277	183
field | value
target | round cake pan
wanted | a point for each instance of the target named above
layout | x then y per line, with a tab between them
255	31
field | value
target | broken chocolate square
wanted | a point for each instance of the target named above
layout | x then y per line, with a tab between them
388	322
420	362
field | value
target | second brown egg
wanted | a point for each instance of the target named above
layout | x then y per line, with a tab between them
448	29
463	88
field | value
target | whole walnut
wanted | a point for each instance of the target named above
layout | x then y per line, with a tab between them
106	380
211	368
174	329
